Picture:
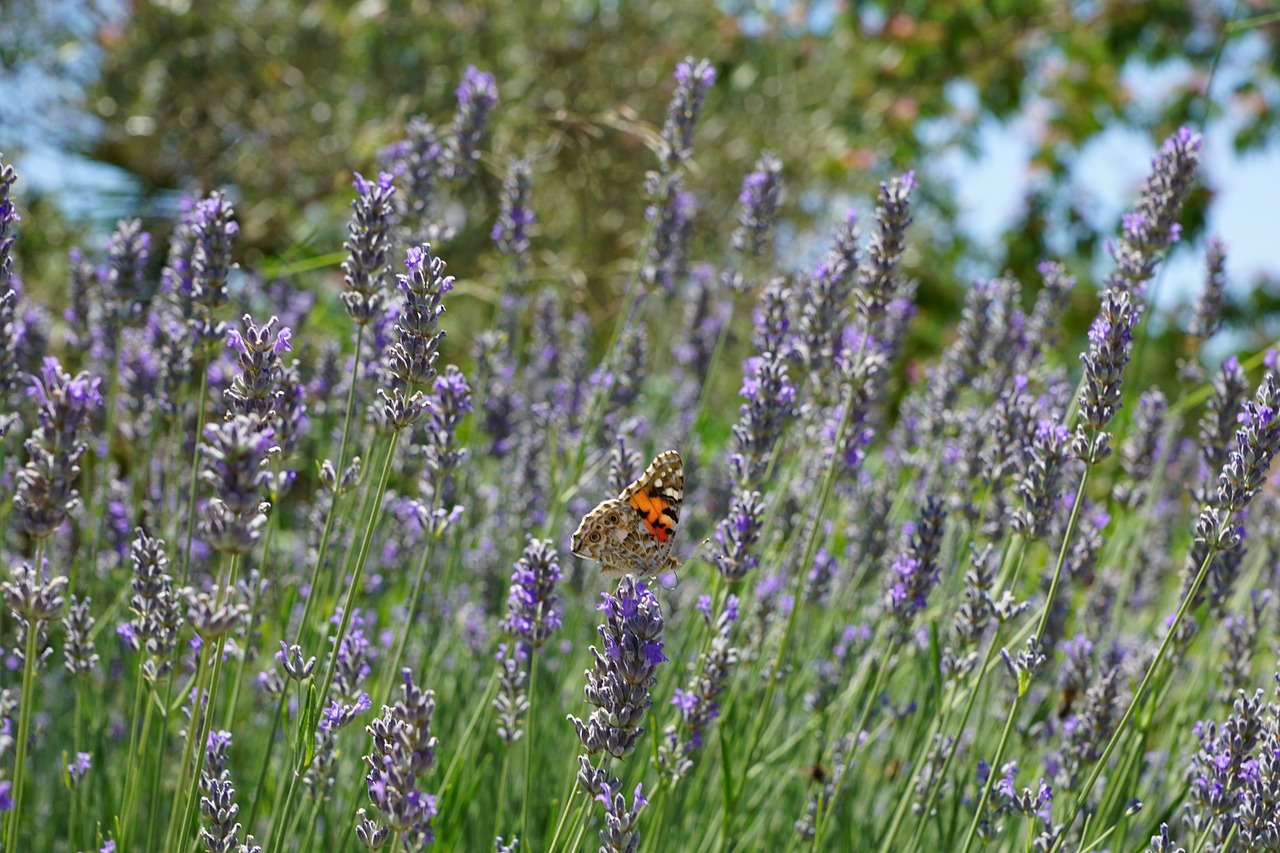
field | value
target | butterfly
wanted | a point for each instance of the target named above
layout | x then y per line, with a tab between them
634	532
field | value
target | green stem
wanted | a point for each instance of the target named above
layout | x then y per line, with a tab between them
177	808
528	743
195	462
24	727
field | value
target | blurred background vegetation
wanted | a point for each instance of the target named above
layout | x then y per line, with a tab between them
280	100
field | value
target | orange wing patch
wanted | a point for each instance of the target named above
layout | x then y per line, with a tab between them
653	509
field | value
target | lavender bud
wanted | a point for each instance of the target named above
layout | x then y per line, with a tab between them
693	80
412	357
619	833
759	205
915	571
672	213
877	279
1046	456
512	702
1110	343
30	598
255	389
368	244
1207	318
79	656
46	484
1142	447
770	408
402	752
736	536
515	218
1257	442
8	216
1152	226
214	228
1218	423
477	96
371	835
292	662
210	616
533	608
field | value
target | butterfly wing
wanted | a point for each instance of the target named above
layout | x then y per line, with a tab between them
655	500
603	536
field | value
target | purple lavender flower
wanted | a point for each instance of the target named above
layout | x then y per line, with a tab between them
128	252
915	571
620	834
693	81
1206	320
515	218
402	752
672	213
1152	226
770	408
46	492
442	452
1142	447
411	359
1110	342
877	279
368	244
214	227
1046	456
1218	424
477	96
232	464
759	205
619	681
533	608
736	537
255	389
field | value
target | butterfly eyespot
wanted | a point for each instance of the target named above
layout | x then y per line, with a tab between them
612	519
594	537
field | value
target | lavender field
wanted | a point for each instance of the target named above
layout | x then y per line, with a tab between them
288	561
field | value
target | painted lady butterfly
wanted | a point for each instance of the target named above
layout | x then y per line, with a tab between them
634	532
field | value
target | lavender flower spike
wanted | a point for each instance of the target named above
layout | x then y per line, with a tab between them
693	80
533	608
402	753
759	205
411	359
477	96
1152	226
46	492
1110	341
368	244
619	681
